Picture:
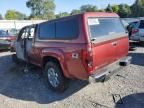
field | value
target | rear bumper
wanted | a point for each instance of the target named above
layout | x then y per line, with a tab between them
142	38
110	69
135	38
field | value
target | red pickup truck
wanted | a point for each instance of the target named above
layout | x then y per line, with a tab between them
84	46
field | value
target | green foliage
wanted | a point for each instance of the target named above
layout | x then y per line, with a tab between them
138	8
124	10
14	15
109	8
83	8
115	8
63	14
20	16
41	9
10	15
75	11
100	10
88	8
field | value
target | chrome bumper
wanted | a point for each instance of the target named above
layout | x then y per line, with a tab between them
100	75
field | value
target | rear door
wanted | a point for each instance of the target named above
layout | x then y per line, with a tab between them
21	42
105	34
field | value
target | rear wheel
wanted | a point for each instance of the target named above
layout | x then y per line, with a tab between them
54	76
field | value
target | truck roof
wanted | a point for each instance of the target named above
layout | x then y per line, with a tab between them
87	14
101	14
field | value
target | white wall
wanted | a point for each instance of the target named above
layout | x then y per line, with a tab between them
18	24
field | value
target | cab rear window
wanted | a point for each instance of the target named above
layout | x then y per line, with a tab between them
99	27
60	30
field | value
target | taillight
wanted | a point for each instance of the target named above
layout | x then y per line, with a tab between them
87	59
135	31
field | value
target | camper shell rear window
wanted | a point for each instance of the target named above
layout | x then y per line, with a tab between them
100	27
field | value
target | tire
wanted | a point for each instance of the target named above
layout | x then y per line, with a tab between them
12	49
54	77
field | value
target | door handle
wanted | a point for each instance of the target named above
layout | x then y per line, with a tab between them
114	43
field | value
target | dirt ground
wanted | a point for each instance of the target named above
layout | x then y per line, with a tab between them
19	89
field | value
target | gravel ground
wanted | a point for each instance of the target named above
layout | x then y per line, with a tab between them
19	89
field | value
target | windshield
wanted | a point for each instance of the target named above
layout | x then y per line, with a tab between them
99	27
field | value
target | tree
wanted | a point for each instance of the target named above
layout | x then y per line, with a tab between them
41	9
14	15
101	10
109	8
63	14
88	8
115	8
138	8
75	11
124	11
10	15
1	17
20	16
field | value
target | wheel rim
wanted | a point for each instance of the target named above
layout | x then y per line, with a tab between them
53	77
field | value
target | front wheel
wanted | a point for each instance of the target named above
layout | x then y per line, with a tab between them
54	76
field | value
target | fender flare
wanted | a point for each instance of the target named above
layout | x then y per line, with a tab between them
57	54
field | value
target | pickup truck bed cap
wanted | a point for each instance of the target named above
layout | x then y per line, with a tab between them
89	14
